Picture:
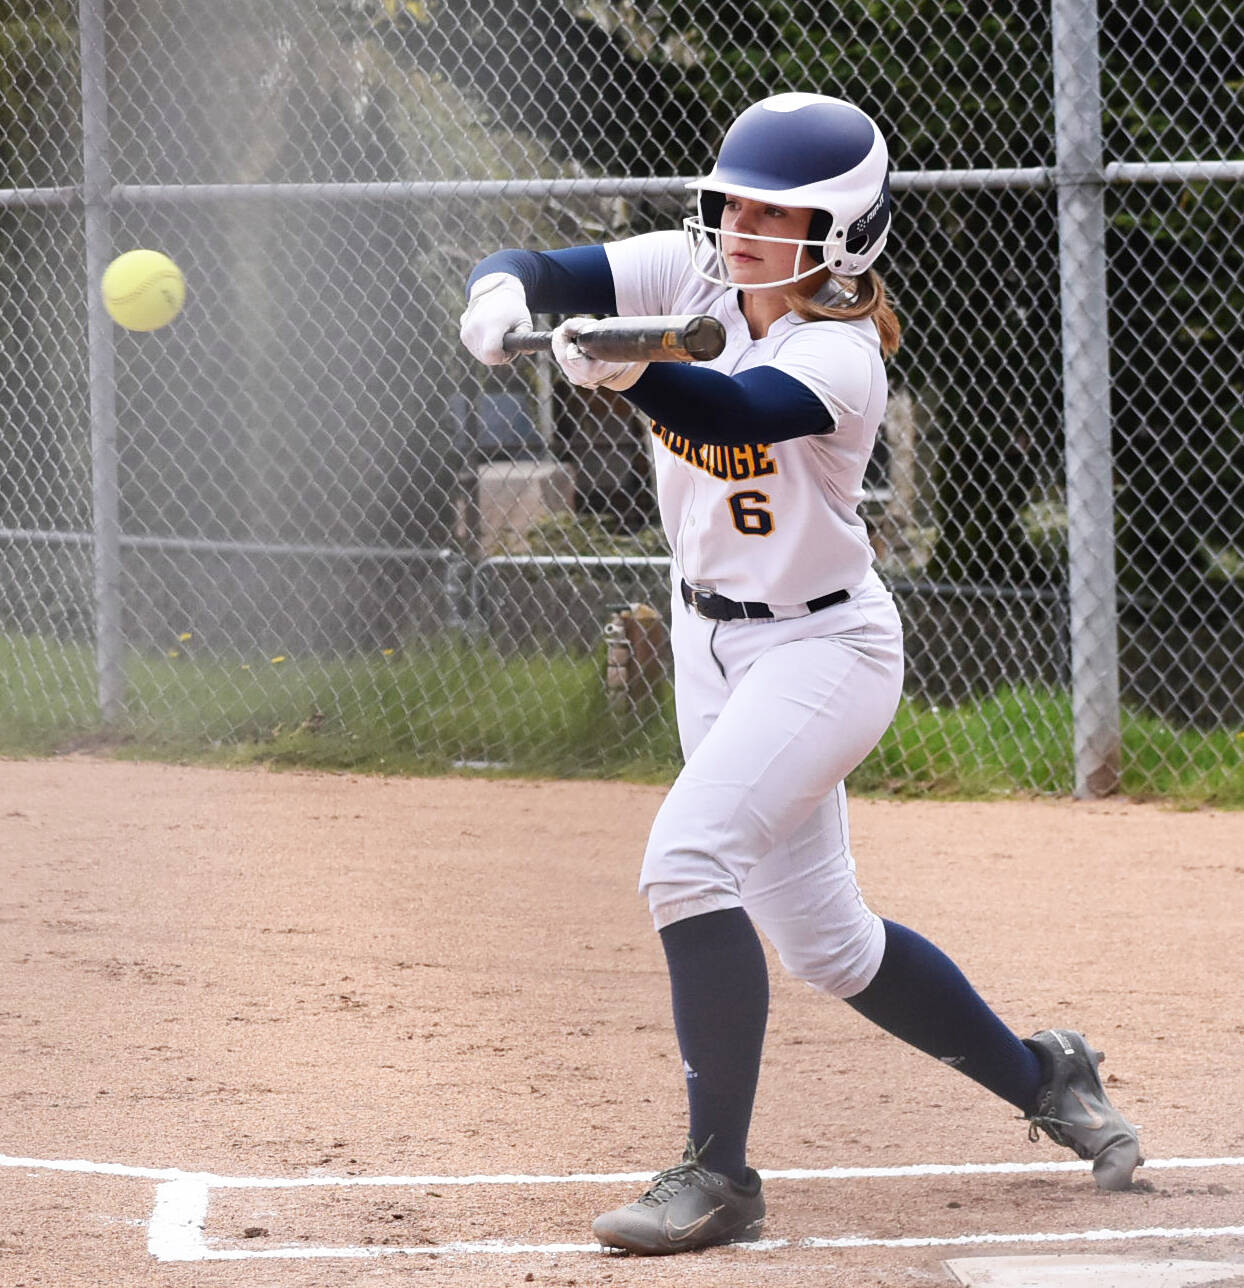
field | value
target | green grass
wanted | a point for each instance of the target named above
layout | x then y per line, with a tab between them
418	711
1018	739
1021	740
459	707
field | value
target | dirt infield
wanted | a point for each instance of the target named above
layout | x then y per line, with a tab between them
308	976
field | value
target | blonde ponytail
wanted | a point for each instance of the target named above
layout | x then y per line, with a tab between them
870	301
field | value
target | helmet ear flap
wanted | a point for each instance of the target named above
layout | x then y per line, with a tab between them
818	229
872	224
712	206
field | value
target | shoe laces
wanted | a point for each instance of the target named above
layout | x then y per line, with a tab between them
667	1183
1050	1125
1059	1130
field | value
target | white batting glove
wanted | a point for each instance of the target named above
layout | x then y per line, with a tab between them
497	304
591	373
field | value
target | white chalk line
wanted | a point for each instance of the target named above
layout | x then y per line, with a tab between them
175	1231
582	1178
179	1216
760	1245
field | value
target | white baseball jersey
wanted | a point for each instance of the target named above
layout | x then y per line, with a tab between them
771	522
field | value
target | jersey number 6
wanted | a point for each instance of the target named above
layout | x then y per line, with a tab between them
749	518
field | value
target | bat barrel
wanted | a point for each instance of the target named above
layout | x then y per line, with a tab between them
704	338
685	338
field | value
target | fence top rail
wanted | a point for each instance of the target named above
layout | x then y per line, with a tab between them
1032	177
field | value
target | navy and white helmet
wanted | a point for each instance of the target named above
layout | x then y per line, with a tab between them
800	150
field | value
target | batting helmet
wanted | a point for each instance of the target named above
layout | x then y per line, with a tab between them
800	150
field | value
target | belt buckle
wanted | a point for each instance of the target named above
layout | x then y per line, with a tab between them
701	595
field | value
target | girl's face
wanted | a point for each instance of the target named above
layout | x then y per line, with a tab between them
750	261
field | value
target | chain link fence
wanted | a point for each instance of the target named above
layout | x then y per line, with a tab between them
302	509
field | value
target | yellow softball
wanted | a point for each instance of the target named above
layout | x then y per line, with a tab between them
143	290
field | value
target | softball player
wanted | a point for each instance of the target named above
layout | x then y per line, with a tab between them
787	647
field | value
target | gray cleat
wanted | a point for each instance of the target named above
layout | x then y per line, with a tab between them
686	1207
1073	1109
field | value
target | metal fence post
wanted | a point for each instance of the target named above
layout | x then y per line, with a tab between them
1086	397
97	187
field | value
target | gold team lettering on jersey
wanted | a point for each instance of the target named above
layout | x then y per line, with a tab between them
743	461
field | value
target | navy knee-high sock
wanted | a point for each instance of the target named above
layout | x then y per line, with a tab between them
719	985
921	996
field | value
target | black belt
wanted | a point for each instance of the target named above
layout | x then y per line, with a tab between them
721	609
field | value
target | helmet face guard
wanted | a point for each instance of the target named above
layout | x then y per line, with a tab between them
800	151
704	232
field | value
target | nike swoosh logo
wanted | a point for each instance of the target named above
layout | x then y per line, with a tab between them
1095	1121
677	1233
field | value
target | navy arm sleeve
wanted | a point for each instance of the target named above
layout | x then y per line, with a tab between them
575	280
763	405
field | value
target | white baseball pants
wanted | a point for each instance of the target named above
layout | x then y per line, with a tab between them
773	715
